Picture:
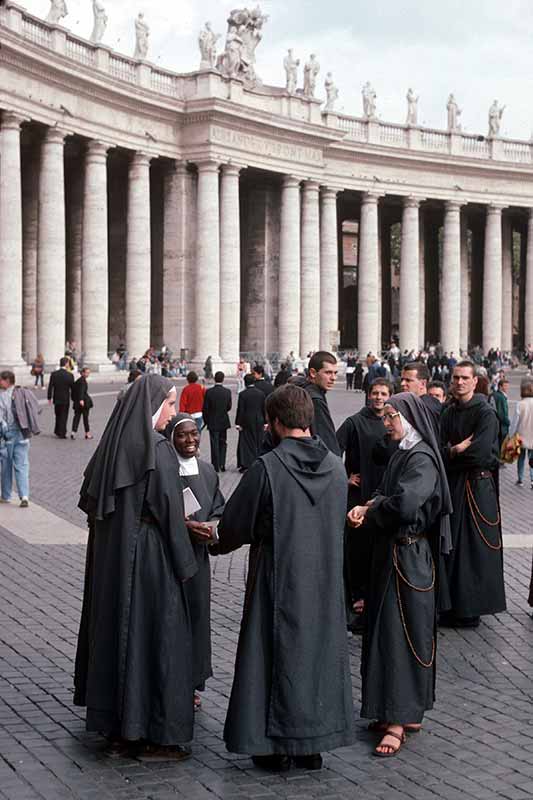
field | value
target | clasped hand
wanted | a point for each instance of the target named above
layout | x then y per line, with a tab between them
356	516
198	530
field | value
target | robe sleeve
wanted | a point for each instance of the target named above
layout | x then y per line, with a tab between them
217	506
247	513
482	450
416	484
238	417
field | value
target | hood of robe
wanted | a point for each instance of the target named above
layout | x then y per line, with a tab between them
306	459
477	400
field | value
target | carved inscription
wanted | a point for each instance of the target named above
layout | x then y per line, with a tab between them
266	147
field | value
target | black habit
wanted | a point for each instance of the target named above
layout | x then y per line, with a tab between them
322	424
251	419
291	692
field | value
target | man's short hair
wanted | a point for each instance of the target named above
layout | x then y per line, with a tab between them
291	406
192	377
249	380
422	372
259	369
502	381
219	377
381	382
64	361
320	358
437	385
470	365
526	387
7	375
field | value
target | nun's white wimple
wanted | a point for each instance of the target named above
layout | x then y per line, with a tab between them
157	414
411	436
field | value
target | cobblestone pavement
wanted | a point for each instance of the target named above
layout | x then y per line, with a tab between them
477	742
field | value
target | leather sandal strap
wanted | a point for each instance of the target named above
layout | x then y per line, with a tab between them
394	735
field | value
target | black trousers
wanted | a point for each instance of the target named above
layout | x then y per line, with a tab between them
349	380
78	413
218	441
61	420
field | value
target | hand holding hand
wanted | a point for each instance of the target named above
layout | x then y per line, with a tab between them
198	531
354	480
356	516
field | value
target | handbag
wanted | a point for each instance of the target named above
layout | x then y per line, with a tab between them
511	449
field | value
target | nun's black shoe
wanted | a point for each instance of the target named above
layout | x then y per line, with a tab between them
313	761
273	763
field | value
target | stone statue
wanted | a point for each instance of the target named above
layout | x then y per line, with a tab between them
58	10
495	118
412	108
332	92
291	65
207	41
311	70
369	101
100	21
142	32
454	112
245	31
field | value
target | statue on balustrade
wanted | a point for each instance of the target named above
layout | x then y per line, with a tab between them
311	70
58	10
291	65
207	42
454	112
332	92
142	32
245	31
100	21
412	108
495	118
369	101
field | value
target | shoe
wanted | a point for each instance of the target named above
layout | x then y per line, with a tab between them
24	502
308	762
273	763
89	436
520	483
159	753
3	500
223	469
72	436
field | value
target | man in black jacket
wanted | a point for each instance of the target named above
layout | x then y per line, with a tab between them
217	403
60	391
82	404
261	382
322	373
250	422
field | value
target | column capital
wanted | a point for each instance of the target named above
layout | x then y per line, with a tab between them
207	165
232	170
55	135
327	193
140	159
412	202
495	208
311	186
97	150
453	205
11	120
371	198
291	182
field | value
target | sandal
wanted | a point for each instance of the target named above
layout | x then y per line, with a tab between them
394	751
381	727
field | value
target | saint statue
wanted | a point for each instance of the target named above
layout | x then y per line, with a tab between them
245	31
100	21
454	112
332	92
58	10
369	101
311	70
142	32
412	108
495	118
291	65
207	42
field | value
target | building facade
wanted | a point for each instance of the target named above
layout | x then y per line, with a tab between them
143	207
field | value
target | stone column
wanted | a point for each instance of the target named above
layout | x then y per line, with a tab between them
172	265
492	279
207	288
94	277
422	281
450	295
410	276
74	191
507	285
230	265
30	229
10	241
528	321
368	335
138	257
465	287
310	269
289	268
51	254
329	271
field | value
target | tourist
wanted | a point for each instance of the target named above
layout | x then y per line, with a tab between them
202	480
409	523
322	373
82	403
500	402
134	657
291	696
37	370
60	393
415	378
192	399
472	582
261	382
522	424
358	377
208	368
437	389
18	423
217	404
282	376
241	372
351	362
250	422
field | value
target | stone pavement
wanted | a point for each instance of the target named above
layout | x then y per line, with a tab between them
477	742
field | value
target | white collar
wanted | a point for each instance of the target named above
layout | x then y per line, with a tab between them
411	435
188	466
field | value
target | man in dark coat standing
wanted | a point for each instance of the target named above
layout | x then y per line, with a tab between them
217	403
60	392
82	403
291	696
322	373
501	406
250	422
261	382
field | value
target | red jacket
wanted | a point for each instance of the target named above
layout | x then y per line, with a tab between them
192	398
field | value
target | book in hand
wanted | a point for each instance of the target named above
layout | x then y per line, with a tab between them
190	502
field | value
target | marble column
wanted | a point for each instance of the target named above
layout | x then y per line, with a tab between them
10	241
207	288
30	230
450	294
74	191
528	321
329	271
138	257
172	264
507	285
94	271
51	252
368	335
289	268
422	281
492	279
410	276
230	265
310	269
465	287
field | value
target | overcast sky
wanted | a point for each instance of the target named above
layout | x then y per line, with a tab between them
479	49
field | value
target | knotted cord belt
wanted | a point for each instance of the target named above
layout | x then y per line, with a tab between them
400	576
474	508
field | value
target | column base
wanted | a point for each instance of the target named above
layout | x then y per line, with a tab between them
105	367
19	368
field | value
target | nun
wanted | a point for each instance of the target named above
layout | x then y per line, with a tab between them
134	664
201	480
408	518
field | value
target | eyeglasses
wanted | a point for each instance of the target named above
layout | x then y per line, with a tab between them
391	416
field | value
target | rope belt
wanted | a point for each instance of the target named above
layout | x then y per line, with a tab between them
475	513
401	576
